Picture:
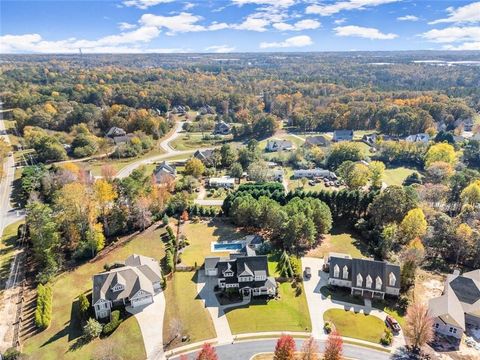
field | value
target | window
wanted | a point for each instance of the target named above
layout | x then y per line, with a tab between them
452	330
378	283
336	271
369	281
392	279
345	272
228	273
437	325
359	280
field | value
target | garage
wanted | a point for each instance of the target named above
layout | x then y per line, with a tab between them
142	301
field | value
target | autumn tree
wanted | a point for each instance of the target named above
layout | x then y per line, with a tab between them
108	172
418	325
355	175
465	241
471	194
309	350
105	194
413	225
443	152
141	212
285	348
194	167
207	353
377	170
333	347
411	256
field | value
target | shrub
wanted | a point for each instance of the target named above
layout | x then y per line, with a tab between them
296	265
84	305
113	324
11	354
43	312
165	220
387	337
92	329
327	327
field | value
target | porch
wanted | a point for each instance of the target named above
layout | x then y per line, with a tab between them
368	294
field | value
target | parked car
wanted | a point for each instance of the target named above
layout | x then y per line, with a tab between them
307	272
311	183
393	324
327	184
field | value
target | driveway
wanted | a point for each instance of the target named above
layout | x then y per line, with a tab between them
205	287
150	320
318	304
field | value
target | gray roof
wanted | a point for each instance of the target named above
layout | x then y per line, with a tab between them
465	289
115	131
211	262
317	140
164	171
203	155
343	134
448	309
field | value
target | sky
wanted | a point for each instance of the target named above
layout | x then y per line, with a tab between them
220	26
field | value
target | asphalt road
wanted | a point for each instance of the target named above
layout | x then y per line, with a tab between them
245	350
6	184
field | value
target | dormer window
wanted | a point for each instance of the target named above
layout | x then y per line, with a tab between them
359	280
336	271
392	280
369	281
345	272
228	271
378	283
117	287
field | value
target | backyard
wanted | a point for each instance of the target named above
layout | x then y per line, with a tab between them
340	240
194	141
396	176
356	325
62	338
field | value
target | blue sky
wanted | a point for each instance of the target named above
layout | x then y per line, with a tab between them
163	26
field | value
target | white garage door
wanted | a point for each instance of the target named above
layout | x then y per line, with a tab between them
142	301
211	272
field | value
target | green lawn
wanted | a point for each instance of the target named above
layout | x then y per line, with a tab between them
340	240
356	325
61	339
194	141
289	313
184	305
392	308
396	176
7	250
201	235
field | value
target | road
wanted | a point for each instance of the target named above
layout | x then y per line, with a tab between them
244	350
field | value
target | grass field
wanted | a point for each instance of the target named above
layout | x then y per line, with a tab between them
289	313
396	176
340	240
61	339
193	141
184	305
356	325
201	235
7	250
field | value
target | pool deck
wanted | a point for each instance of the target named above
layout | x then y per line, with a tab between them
227	246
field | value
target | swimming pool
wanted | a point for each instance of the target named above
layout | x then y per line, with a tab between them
224	246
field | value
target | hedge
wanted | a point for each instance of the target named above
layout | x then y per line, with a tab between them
43	312
113	324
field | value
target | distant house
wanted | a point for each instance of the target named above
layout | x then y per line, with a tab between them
165	173
180	110
277	174
342	135
244	271
459	305
205	156
222	128
225	182
423	138
207	109
313	173
115	131
370	139
364	277
278	145
467	124
319	140
133	285
122	140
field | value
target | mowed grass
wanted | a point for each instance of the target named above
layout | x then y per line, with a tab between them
396	176
7	250
184	305
288	313
340	240
356	325
61	339
193	141
201	235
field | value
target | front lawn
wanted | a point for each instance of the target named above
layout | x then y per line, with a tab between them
200	237
392	307
396	176
7	250
186	308
61	339
194	141
288	313
340	240
356	325
336	293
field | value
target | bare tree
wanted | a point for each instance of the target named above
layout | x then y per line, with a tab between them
419	325
309	350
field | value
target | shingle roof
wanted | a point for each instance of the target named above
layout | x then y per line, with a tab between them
448	309
465	289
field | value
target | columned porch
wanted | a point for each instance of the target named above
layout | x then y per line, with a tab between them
369	294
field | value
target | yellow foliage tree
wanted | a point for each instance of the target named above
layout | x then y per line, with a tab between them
441	152
413	225
471	194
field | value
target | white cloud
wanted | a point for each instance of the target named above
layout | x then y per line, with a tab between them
363	32
327	10
306	24
465	14
144	4
340	21
408	18
253	24
220	48
183	22
453	34
276	3
296	41
464	46
126	26
188	6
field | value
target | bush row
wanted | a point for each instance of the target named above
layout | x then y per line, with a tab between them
43	312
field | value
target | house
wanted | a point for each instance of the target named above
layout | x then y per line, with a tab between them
459	305
244	271
165	173
342	135
115	131
365	277
424	138
277	174
313	173
207	109
205	156
278	145
179	109
225	182
466	124
319	140
222	128
370	139
123	139
133	285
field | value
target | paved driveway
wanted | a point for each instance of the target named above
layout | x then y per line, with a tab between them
150	320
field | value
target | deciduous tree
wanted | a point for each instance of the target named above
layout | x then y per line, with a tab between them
285	348
207	353
418	325
309	350
333	347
